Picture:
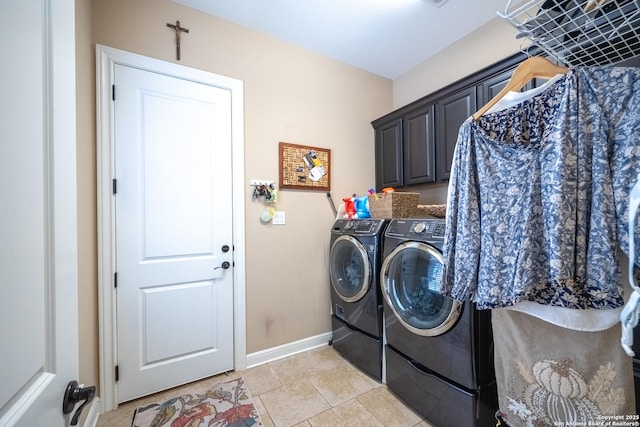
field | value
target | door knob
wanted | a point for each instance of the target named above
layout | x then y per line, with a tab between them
74	394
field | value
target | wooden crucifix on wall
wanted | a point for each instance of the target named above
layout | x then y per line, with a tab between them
178	29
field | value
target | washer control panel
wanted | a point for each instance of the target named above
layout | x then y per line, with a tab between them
359	226
421	229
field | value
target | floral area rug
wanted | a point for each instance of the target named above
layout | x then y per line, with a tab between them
227	404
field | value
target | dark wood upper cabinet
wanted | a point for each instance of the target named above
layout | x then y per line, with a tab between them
404	149
451	111
419	146
489	88
414	145
389	155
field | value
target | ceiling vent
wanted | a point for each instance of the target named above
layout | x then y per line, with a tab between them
437	3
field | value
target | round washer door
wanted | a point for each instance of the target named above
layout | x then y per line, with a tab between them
410	280
349	268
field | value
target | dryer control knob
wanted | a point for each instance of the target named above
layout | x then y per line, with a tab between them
420	228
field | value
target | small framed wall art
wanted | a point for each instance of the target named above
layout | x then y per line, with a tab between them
304	168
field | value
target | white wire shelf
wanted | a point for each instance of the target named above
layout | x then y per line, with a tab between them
579	32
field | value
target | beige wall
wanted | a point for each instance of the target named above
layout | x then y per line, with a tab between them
290	95
485	46
87	208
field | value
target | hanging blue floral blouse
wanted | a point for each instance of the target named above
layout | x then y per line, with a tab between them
538	195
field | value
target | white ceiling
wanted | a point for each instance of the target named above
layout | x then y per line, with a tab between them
385	37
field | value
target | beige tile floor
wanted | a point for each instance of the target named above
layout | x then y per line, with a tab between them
317	388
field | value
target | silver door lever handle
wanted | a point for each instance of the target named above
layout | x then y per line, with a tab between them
224	265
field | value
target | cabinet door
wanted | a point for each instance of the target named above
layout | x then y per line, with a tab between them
490	87
419	147
451	112
389	170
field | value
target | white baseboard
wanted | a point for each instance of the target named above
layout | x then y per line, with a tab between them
264	356
93	413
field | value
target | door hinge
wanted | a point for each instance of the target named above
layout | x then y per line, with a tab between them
115	280
113	92
117	373
115	187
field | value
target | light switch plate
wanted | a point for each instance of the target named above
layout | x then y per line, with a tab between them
278	218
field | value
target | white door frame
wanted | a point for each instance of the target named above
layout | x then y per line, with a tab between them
106	58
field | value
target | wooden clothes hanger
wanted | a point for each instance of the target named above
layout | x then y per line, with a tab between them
530	68
592	4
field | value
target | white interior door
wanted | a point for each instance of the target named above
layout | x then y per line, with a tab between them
173	205
38	229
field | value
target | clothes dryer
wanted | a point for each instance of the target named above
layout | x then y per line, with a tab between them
356	301
439	352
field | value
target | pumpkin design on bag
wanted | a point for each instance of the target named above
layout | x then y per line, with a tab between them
557	394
